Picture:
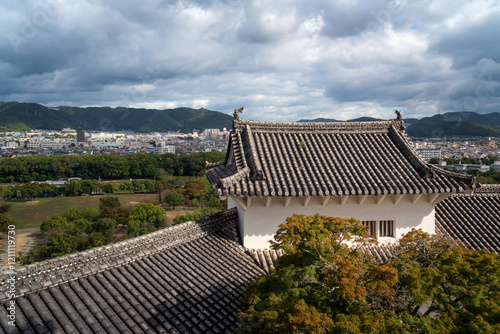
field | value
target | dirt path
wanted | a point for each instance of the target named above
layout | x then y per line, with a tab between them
24	241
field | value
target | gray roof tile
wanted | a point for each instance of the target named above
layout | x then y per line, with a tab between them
323	159
189	282
474	220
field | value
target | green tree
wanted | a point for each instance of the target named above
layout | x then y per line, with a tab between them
72	188
110	188
106	226
90	214
215	202
55	224
5	207
31	190
179	181
5	221
79	226
96	239
133	227
61	244
119	214
139	186
164	177
148	214
48	189
88	186
195	215
109	202
126	187
151	186
323	285
195	203
174	199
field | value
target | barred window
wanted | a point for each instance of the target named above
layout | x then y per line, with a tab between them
372	227
386	228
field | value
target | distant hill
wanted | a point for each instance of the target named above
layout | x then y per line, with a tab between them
365	119
331	120
15	116
324	120
460	123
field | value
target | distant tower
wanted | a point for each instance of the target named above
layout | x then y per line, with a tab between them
80	136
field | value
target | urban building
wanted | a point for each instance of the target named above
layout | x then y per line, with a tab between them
429	153
80	136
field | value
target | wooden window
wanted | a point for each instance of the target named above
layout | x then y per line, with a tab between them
372	227
386	228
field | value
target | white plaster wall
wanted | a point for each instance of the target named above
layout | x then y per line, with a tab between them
259	223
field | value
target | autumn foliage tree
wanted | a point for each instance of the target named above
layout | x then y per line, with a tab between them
326	284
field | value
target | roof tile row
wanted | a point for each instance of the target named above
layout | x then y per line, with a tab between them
191	281
326	159
474	220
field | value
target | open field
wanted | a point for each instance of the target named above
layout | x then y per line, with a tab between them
30	214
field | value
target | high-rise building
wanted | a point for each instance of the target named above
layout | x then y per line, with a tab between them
80	136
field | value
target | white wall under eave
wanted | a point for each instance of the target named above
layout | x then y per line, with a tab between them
258	223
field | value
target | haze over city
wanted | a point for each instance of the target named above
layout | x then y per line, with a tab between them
281	60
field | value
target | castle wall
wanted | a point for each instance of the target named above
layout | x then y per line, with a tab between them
259	219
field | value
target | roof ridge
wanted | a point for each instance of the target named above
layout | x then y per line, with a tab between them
256	172
69	267
378	126
424	168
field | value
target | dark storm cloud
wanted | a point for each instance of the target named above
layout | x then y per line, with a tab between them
281	60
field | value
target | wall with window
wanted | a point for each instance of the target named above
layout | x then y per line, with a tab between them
259	218
381	229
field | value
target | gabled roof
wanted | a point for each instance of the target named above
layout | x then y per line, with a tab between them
474	220
326	159
185	279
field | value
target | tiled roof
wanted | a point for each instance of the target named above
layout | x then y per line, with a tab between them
488	189
185	279
474	220
326	159
267	258
382	253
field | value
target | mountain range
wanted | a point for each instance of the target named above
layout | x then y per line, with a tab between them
17	116
460	123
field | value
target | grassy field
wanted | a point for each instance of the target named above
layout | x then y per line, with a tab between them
30	214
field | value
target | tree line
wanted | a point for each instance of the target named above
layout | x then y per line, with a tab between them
77	188
112	167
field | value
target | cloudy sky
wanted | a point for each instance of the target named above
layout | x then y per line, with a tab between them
281	60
